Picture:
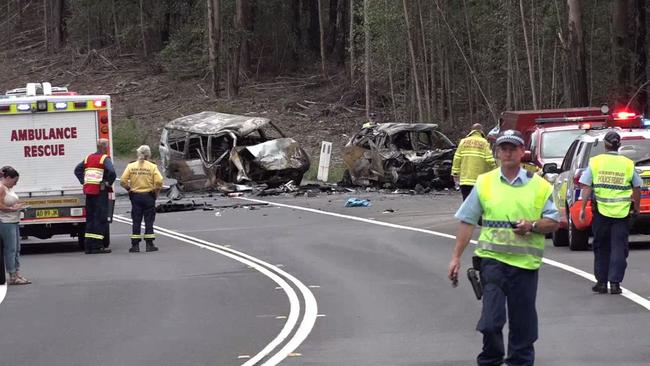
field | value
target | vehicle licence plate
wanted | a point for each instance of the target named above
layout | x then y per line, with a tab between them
42	214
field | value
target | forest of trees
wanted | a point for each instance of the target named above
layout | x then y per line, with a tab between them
424	60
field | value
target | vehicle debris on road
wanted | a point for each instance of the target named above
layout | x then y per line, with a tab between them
357	202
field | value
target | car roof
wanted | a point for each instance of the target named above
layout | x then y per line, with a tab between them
210	123
560	128
392	128
599	135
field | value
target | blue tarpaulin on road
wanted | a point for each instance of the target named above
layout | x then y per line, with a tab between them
357	202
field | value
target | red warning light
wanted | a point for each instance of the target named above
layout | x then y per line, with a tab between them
623	115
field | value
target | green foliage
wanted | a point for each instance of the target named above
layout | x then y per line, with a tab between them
335	174
127	136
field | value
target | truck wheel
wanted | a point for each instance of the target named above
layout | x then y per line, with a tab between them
560	238
80	238
578	239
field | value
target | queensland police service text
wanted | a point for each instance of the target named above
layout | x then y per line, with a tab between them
42	134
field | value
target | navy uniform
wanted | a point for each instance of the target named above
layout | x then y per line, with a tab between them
97	175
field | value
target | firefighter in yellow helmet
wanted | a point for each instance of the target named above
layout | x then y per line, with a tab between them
517	211
473	157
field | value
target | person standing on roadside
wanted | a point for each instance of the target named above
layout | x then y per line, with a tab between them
10	207
473	157
97	175
143	181
509	253
615	184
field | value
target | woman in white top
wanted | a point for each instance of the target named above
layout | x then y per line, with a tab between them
9	225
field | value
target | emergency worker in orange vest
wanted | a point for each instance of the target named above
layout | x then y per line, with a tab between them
97	175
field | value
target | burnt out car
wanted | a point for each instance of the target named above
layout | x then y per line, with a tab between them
400	155
217	150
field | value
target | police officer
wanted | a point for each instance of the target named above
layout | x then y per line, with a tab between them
517	211
143	181
97	175
473	157
615	183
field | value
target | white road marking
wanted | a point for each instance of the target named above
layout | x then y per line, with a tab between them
636	298
3	290
311	308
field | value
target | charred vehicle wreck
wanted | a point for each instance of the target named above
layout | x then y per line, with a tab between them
399	155
218	150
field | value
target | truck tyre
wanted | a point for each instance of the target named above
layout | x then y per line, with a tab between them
80	237
107	238
578	239
560	238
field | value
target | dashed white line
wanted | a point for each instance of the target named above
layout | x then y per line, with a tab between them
636	298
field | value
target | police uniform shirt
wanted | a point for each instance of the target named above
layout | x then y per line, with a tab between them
587	177
471	210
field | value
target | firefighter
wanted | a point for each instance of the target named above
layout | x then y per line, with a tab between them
510	252
97	175
615	183
473	157
143	181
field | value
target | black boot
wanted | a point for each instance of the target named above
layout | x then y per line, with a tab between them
150	246
615	288
600	287
135	246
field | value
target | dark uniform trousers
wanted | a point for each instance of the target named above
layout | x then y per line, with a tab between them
517	288
3	279
96	220
610	247
465	190
143	205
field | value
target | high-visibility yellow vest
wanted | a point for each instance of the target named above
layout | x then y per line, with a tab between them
502	204
612	184
473	157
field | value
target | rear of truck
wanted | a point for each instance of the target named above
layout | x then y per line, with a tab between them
45	135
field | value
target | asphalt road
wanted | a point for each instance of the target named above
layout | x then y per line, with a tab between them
326	286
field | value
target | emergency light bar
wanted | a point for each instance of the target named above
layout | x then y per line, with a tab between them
571	119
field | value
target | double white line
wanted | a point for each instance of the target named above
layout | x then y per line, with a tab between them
297	330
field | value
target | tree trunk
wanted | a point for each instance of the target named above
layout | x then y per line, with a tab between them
641	62
577	64
116	32
366	31
351	40
58	24
143	32
322	39
46	27
339	39
214	38
414	69
528	55
241	7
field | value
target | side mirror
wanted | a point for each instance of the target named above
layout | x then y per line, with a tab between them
528	157
551	177
550	168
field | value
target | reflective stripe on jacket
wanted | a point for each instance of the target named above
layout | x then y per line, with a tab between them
473	157
93	173
502	204
612	184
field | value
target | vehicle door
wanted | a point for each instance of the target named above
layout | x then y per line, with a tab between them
560	185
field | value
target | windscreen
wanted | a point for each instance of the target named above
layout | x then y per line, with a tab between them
634	149
556	143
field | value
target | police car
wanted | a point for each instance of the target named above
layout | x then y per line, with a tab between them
635	144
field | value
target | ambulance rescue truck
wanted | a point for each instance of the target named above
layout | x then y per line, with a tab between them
45	132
